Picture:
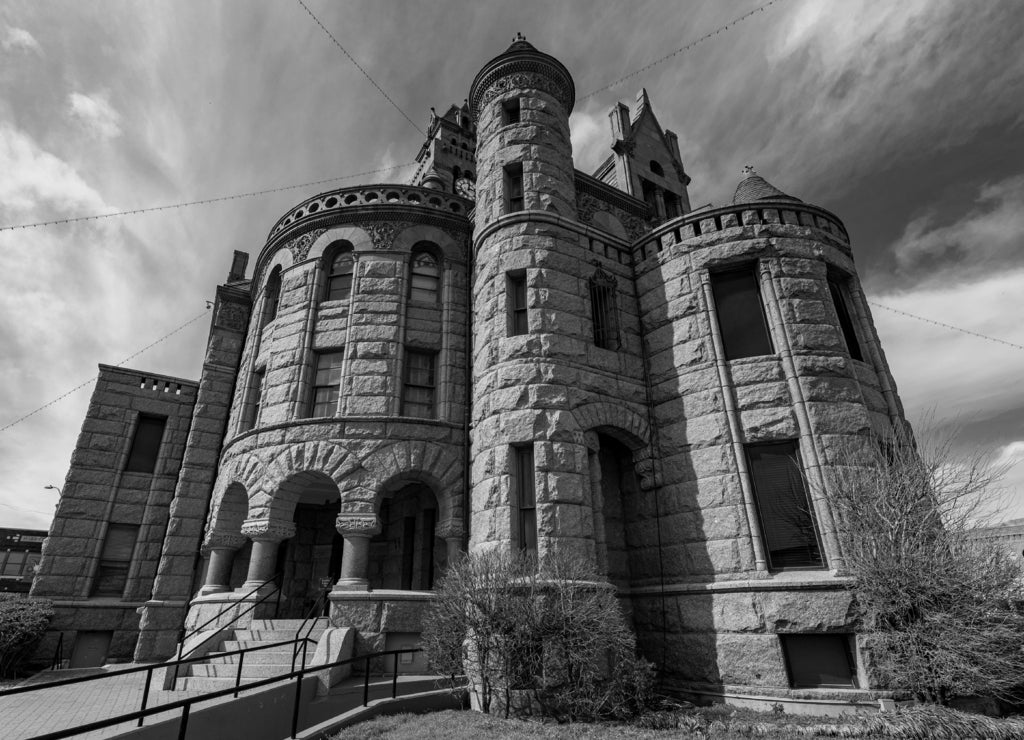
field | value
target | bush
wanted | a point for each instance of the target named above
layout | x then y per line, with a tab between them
551	639
22	624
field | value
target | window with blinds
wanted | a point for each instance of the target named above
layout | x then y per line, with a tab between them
513	179
518	320
115	560
740	310
787	521
425	278
339	274
146	444
819	661
839	300
326	384
603	310
418	391
525	504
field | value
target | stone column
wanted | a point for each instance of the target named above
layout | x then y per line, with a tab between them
265	536
221	548
356	529
452	534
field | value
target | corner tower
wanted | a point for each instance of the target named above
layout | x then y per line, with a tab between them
556	352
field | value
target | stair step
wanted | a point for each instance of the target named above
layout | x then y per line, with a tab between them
249	670
275	635
274	656
285	624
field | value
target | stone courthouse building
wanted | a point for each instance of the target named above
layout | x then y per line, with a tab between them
506	352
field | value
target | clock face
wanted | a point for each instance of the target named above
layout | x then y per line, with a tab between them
466	188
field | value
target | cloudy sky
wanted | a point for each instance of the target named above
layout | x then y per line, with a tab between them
904	118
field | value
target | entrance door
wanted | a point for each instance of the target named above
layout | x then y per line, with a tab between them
90	649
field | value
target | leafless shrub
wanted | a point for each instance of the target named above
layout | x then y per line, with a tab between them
941	609
551	640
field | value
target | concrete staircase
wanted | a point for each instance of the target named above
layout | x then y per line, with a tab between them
219	672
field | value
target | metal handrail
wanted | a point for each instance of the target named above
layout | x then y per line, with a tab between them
311	613
218	615
58	654
186	704
138	669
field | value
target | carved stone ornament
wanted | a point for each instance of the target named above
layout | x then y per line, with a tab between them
635	227
449	530
622	146
382	234
363	525
231	316
225	540
300	245
269	531
587	205
525	81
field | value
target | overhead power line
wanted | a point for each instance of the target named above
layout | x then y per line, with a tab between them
678	51
30	511
948	326
93	379
202	202
360	68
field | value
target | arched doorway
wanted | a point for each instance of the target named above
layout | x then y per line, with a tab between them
310	562
407	555
615	503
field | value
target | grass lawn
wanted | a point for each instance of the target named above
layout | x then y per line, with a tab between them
710	723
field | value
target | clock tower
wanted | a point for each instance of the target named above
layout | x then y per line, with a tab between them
447	159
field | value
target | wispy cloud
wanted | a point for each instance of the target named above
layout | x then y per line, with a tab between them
18	39
96	114
988	233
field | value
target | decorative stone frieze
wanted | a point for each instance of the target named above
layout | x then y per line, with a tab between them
357	525
270	531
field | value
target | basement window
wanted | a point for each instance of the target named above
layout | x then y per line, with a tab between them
819	661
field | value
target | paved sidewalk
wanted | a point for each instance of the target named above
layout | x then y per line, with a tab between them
49	710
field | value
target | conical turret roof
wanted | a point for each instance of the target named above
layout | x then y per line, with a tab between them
753	187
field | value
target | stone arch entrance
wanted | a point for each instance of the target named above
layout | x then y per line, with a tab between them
407	554
615	487
309	562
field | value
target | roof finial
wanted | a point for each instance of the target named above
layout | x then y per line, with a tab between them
748	171
519	37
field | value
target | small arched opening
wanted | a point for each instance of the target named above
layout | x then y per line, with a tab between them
407	555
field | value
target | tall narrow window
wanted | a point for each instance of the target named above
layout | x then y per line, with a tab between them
787	522
146	444
272	296
673	204
425	278
514	187
518	319
838	291
525	504
327	384
252	414
603	310
418	392
740	313
115	560
510	111
339	274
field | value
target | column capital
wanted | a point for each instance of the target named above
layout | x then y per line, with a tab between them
357	525
448	530
267	530
223	541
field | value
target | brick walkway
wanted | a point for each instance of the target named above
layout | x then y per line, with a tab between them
49	710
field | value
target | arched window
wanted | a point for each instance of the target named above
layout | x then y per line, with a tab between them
339	272
657	169
425	277
272	296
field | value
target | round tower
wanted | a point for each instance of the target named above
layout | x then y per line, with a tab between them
552	360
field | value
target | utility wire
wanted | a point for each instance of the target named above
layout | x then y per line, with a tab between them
680	50
93	379
22	508
947	326
360	68
203	202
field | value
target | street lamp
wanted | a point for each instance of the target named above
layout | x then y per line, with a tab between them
53	488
